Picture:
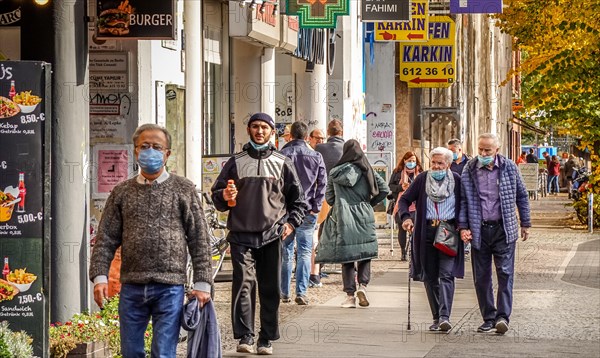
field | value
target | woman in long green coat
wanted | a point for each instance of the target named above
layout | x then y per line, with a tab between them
348	237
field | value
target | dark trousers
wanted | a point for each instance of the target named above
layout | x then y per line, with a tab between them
493	245
403	235
252	267
439	281
363	268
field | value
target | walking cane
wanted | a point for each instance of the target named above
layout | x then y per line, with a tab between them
409	251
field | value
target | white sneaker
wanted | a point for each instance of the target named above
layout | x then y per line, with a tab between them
350	302
362	296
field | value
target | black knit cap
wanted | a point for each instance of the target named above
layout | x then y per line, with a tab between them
262	117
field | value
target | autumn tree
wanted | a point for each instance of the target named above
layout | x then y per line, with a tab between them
560	43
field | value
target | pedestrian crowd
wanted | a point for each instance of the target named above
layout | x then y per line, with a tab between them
290	212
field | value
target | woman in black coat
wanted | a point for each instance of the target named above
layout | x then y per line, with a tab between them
436	193
403	175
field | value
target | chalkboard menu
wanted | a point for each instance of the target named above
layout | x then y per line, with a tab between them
24	217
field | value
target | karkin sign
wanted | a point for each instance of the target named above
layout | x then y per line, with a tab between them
406	31
432	63
136	19
385	10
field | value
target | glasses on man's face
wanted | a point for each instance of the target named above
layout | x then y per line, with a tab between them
154	146
322	139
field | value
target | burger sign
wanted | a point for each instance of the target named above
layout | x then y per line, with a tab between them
135	19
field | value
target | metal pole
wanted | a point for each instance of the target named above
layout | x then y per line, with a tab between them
422	137
392	234
70	227
591	212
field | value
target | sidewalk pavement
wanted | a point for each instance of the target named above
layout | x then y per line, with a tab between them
556	311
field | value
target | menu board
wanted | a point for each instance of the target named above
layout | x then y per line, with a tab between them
23	129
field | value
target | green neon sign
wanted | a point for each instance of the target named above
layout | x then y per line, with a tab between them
318	13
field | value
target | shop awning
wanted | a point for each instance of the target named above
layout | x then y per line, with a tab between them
523	123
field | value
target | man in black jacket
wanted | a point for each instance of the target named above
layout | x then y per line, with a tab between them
332	150
269	206
531	158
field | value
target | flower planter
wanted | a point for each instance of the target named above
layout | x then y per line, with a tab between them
90	350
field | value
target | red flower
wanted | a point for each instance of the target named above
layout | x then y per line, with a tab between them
68	323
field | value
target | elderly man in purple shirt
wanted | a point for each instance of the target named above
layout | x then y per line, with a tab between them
493	191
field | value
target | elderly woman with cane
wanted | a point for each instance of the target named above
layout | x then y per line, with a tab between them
436	193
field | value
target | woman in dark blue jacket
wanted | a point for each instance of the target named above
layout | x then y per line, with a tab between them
436	193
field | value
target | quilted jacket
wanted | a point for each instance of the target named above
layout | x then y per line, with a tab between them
349	230
513	196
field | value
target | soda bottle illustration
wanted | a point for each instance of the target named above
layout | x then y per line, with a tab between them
231	203
6	269
22	193
13	91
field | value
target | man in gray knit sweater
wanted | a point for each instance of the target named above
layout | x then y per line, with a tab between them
155	218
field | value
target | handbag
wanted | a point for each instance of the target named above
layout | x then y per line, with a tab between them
446	237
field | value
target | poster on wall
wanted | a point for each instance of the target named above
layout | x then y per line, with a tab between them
24	152
211	168
112	165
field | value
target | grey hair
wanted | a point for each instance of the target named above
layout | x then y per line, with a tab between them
299	130
445	152
151	127
490	136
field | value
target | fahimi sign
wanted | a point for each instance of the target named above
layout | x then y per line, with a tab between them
385	10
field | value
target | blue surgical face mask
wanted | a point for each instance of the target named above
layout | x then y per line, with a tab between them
454	156
151	160
438	174
485	160
411	165
259	146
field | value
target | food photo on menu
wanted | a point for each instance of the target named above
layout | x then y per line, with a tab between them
14	281
114	19
18	102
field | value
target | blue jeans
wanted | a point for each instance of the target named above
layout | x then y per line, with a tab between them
553	184
304	242
137	304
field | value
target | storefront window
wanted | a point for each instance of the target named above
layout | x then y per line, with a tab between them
216	124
